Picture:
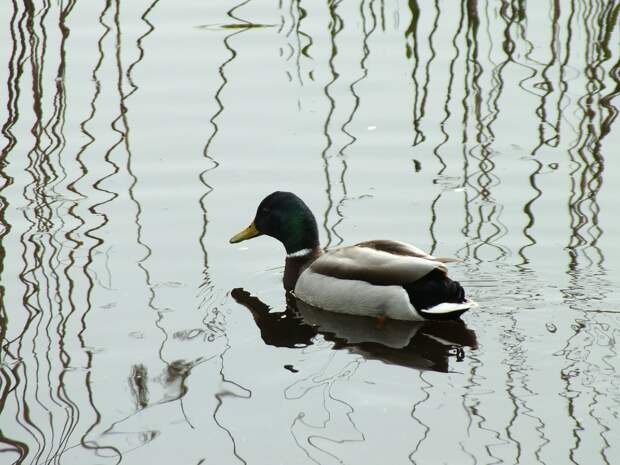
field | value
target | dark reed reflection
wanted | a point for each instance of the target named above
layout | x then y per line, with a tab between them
419	92
587	380
118	156
215	319
11	447
334	166
486	68
424	346
40	337
59	246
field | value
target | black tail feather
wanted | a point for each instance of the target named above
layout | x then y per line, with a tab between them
433	289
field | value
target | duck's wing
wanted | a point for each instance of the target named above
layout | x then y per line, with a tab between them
402	248
376	266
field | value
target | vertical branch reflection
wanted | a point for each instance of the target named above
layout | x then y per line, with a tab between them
548	88
302	14
586	178
444	121
551	91
49	287
85	242
366	33
299	42
207	286
333	423
313	435
426	387
46	363
584	363
481	181
231	12
94	220
15	70
207	148
37	268
215	320
335	26
411	51
341	113
176	371
63	239
609	24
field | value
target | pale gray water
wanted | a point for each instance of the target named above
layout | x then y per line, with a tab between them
137	137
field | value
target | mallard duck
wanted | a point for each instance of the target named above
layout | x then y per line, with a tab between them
380	278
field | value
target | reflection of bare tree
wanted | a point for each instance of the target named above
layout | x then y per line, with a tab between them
315	434
207	286
299	42
15	69
61	242
335	27
565	65
586	380
341	113
481	109
485	224
120	125
585	258
411	50
214	319
48	297
491	42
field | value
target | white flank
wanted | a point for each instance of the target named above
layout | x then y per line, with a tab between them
355	297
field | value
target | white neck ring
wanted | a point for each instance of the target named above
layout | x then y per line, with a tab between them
299	253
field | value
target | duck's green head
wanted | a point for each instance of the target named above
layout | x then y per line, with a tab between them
286	217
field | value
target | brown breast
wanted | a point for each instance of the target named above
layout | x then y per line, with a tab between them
294	266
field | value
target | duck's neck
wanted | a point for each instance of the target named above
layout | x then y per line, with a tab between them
297	262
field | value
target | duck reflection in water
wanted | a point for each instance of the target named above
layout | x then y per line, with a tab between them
426	345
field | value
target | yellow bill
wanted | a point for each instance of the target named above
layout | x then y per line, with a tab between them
247	233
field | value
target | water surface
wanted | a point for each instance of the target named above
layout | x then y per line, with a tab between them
137	137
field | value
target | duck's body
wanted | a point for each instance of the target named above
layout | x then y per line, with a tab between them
376	278
383	278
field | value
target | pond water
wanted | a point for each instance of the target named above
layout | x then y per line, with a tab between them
138	137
